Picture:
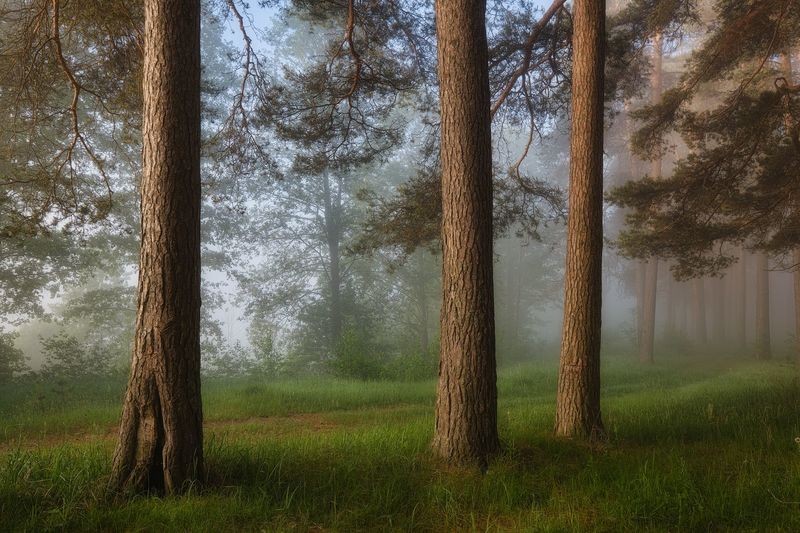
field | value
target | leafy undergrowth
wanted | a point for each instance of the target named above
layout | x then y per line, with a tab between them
694	445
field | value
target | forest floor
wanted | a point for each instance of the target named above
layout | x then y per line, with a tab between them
695	444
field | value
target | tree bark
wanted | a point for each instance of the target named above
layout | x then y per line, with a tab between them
466	403
763	348
646	346
578	400
160	444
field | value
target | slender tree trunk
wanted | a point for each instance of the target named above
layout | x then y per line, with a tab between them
682	310
699	296
718	286
466	403
578	400
422	299
160	444
517	306
786	66
649	311
672	302
651	272
763	348
740	326
796	278
641	273
333	235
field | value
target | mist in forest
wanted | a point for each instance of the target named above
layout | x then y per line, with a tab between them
301	267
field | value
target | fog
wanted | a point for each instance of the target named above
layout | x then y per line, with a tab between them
296	260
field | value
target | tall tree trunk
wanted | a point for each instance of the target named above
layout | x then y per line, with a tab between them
422	301
718	287
786	66
646	346
763	348
796	278
740	324
699	296
516	341
578	400
672	302
160	444
682	311
333	236
466	403
641	273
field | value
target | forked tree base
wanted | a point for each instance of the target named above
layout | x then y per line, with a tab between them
151	456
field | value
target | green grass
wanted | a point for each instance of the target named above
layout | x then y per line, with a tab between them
695	445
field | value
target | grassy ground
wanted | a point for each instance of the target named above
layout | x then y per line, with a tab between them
695	445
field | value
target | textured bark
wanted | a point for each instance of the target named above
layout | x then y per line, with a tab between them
466	403
578	400
648	333
699	298
160	443
763	348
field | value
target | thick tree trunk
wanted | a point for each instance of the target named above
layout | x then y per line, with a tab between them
646	346
466	403
763	348
160	443
578	400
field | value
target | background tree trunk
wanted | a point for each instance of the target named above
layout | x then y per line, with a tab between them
421	286
333	237
718	288
700	327
740	325
796	278
763	348
578	400
160	443
646	346
466	403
